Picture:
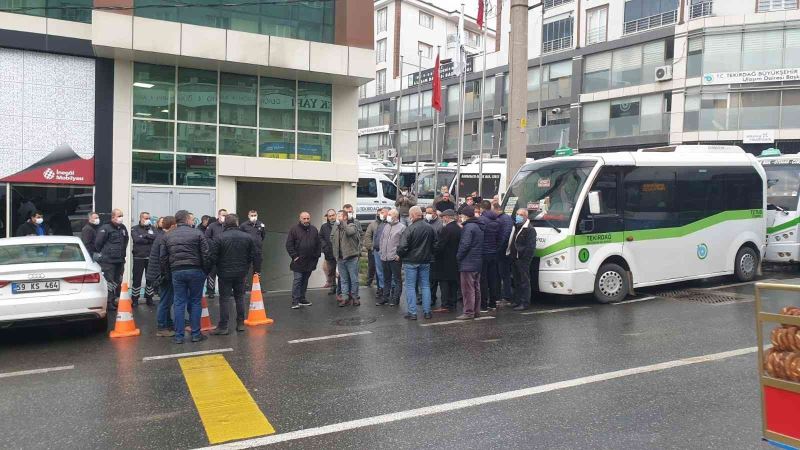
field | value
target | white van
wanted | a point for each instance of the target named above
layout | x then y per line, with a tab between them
494	179
608	223
783	214
375	190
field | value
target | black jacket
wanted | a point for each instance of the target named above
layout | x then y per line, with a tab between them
29	229
416	243
523	242
445	265
88	235
304	244
143	238
325	231
153	274
443	205
256	229
235	251
470	249
185	248
214	230
112	243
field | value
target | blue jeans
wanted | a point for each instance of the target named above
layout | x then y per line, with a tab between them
348	273
188	288
414	273
376	255
300	286
164	311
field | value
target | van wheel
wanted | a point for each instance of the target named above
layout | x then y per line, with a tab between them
611	284
746	264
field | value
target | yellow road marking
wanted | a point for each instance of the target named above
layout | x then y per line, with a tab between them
226	408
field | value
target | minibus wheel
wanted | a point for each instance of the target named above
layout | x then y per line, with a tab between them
746	265
611	284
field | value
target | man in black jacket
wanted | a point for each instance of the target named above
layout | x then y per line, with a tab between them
89	233
212	233
235	252
416	252
34	226
162	281
112	245
304	247
143	234
187	258
445	266
521	249
258	230
329	265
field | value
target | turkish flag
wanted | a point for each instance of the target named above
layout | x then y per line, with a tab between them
480	14
436	98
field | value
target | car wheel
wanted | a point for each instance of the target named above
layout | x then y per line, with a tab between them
100	325
611	284
746	264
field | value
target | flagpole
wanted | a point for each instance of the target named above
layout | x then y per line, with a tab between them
463	81
419	113
399	121
435	131
483	95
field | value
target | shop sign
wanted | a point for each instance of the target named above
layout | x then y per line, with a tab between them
62	166
758	136
373	130
752	76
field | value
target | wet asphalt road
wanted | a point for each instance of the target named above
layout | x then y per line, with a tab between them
114	399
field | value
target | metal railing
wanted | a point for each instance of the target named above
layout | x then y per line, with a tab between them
553	3
557	44
655	21
596	36
702	9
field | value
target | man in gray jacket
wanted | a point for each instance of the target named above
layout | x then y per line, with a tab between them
390	240
346	240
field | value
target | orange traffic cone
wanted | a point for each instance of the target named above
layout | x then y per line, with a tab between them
257	314
124	326
205	318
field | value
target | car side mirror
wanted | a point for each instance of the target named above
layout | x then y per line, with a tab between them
594	202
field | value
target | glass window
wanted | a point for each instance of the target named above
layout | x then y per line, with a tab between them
626	67
153	135
197	95
694	62
597	72
652	115
194	170
691	111
72	10
719	111
426	20
153	91
791	54
380	51
381	20
3	224
624	115
782	182
596	24
237	141
314	147
653	54
760	110
426	49
762	50
367	187
790	111
743	189
649	198
700	194
380	82
64	208
277	103
278	144
607	185
152	168
557	35
314	112
40	254
722	53
237	99
595	120
197	138
560	80
389	190
775	5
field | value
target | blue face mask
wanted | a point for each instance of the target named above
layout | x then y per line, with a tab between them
519	219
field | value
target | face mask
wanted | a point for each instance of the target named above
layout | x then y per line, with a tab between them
221	219
519	219
254	219
428	217
338	222
382	217
147	223
117	220
96	222
39	221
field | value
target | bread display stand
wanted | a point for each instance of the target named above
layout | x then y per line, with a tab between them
778	332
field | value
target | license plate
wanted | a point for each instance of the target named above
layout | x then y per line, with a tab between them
35	286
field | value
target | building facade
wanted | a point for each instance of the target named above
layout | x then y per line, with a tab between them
623	74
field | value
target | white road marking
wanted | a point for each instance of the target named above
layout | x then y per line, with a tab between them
472	402
635	300
333	336
450	322
34	371
737	284
181	355
548	311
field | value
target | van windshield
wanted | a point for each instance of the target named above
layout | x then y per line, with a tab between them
548	190
783	182
429	184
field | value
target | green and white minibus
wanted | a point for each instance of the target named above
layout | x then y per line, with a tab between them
609	223
783	218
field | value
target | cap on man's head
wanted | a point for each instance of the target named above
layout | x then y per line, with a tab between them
468	211
448	213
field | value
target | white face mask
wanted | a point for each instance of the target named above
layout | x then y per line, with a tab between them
95	221
382	217
39	221
147	223
254	219
117	220
428	217
221	219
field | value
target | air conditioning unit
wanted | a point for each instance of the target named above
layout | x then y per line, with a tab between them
663	73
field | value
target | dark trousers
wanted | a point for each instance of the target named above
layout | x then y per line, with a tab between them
504	271
329	267
471	291
211	281
300	286
370	268
228	287
112	272
139	268
392	282
434	288
449	288
522	282
490	289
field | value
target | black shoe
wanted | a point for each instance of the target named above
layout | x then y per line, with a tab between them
111	307
200	338
220	332
410	316
295	305
381	303
305	303
392	304
178	340
149	302
520	308
428	316
240	327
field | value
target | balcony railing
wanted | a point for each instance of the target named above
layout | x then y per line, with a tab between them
596	35
646	23
553	3
557	44
446	70
701	9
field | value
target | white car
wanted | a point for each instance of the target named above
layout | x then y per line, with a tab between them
50	279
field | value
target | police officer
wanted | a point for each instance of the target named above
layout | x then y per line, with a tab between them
214	232
258	231
143	234
112	245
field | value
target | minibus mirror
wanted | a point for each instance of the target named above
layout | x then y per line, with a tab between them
594	202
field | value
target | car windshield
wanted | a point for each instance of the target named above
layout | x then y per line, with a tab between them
548	190
406	179
783	182
40	253
430	182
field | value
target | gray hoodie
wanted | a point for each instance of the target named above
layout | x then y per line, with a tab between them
390	240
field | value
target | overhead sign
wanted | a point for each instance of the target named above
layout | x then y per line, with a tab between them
758	136
752	76
373	130
62	166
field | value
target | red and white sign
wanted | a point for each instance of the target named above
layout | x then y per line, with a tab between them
63	166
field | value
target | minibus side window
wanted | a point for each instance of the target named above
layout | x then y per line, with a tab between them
609	219
650	198
367	187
